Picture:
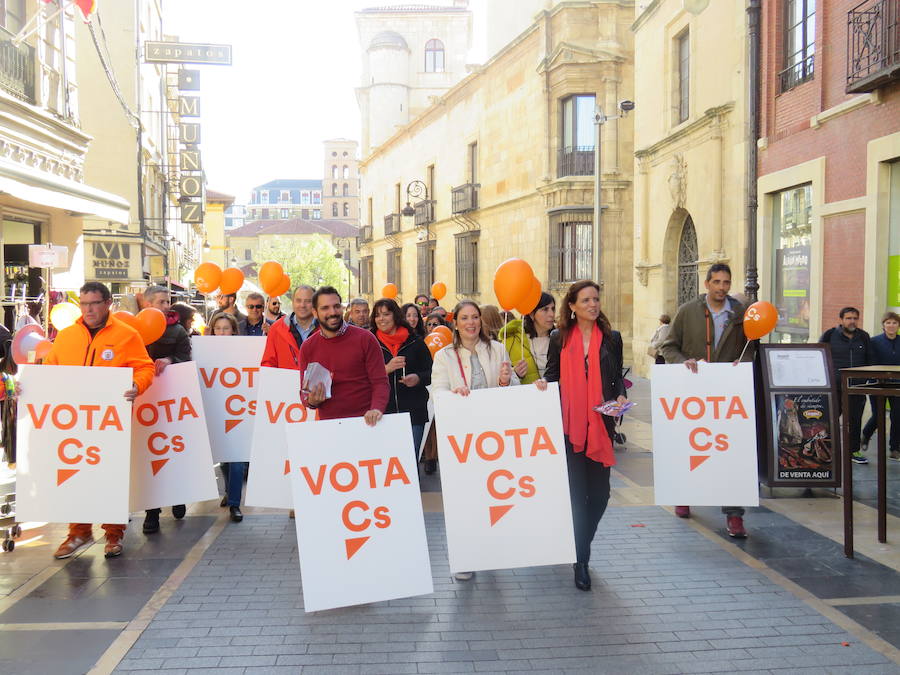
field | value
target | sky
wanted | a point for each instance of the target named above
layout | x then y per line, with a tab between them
291	86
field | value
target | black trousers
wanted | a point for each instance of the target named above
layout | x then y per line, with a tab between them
589	491
857	405
893	415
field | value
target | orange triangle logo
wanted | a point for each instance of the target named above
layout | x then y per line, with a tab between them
497	512
231	424
353	545
157	464
287	467
62	475
697	460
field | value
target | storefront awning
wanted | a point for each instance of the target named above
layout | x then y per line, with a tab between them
50	191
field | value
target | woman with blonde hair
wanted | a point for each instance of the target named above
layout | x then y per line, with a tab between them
493	320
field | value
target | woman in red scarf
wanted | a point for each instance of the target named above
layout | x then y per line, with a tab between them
408	365
585	357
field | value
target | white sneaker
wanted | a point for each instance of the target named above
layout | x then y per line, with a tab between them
463	576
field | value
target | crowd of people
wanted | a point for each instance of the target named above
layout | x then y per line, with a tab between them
380	364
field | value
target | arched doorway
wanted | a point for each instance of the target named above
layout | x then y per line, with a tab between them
688	281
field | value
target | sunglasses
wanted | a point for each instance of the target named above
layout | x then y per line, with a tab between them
276	302
254	306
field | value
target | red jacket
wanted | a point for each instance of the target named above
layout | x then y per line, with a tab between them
281	346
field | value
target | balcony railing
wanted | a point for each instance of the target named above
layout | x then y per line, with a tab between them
424	213
17	68
575	161
391	224
797	73
873	45
365	234
465	198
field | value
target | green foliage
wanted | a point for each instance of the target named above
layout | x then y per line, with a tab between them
307	261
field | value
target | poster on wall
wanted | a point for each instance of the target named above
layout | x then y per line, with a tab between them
801	435
792	289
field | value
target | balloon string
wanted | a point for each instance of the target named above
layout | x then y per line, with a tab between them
743	351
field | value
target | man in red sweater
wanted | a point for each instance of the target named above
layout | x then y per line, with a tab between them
359	384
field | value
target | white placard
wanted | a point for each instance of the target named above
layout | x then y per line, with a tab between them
277	405
797	368
504	478
74	444
229	375
360	528
171	461
704	435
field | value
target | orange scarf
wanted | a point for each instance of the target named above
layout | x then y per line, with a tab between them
580	394
395	341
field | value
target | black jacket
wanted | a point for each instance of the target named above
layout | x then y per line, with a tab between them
610	367
413	400
847	352
174	344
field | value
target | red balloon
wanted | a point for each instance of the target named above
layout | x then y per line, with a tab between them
760	319
232	280
207	277
512	282
151	324
531	300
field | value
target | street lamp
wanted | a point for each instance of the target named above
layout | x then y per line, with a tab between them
415	190
601	118
344	243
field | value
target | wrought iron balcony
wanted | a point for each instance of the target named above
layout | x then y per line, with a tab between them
424	213
873	45
365	234
798	73
391	224
16	68
575	161
465	198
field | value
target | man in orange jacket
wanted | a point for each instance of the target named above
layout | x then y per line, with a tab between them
99	339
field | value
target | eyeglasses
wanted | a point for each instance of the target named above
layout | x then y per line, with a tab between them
422	304
254	306
90	305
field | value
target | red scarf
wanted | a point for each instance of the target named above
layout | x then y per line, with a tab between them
582	424
395	341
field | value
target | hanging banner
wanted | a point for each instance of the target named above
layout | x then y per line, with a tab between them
704	435
277	405
171	461
229	374
360	527
74	444
504	478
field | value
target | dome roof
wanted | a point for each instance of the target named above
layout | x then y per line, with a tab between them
389	39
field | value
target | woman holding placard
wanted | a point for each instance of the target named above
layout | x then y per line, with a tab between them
473	361
585	357
528	340
223	323
408	365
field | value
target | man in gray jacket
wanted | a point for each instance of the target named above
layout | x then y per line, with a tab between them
710	329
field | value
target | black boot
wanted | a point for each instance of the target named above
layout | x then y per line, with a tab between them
430	466
178	511
582	577
151	521
236	514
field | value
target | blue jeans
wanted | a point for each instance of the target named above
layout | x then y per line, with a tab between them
234	484
418	431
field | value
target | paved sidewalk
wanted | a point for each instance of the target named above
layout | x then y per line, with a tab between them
666	599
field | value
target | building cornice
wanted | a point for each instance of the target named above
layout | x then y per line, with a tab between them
649	11
709	117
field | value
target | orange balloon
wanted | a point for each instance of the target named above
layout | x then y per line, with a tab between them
151	324
438	290
435	342
527	305
389	291
512	282
270	275
127	317
282	288
760	320
207	277
444	332
232	280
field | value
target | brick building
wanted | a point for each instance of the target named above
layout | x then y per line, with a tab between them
829	162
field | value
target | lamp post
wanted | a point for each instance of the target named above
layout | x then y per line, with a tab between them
601	118
415	190
344	243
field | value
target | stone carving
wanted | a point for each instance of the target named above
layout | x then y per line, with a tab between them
678	181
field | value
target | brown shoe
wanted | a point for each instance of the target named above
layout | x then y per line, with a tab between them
71	546
113	546
291	514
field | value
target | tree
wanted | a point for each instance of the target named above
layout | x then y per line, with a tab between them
309	260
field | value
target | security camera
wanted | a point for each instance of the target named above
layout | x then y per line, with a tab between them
626	106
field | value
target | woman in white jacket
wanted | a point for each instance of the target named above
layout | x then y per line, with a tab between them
473	361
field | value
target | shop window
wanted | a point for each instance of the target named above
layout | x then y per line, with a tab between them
792	236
